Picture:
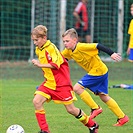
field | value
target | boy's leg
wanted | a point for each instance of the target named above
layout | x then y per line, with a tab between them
40	113
114	107
86	97
40	116
86	120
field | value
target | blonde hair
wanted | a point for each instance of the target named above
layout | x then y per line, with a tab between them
72	32
132	5
39	31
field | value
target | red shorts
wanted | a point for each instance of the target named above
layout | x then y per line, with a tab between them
64	94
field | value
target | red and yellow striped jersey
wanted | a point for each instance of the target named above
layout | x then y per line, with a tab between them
60	76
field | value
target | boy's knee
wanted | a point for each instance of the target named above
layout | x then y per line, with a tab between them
75	89
104	97
36	103
78	89
70	110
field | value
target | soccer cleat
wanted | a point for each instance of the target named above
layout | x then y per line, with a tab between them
95	112
122	121
94	129
42	131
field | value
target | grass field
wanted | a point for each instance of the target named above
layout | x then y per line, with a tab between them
19	80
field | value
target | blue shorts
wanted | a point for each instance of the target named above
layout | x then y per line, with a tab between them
97	84
131	55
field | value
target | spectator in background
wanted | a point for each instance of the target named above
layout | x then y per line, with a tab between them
130	32
82	25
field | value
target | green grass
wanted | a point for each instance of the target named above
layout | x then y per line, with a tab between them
18	83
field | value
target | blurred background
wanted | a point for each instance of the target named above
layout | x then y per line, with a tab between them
109	22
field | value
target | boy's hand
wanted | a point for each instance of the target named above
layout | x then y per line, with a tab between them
82	23
116	57
128	51
36	62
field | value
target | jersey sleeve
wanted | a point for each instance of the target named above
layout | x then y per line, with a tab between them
89	48
78	7
56	56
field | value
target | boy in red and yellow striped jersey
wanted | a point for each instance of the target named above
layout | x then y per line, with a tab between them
57	85
96	79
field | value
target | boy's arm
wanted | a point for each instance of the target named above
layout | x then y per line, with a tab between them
76	15
105	49
114	56
37	63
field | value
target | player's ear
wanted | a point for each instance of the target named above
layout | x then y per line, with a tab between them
75	39
45	37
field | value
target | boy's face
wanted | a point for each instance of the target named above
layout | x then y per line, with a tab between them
69	42
39	41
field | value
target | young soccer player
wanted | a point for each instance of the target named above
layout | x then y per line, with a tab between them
130	32
57	85
96	78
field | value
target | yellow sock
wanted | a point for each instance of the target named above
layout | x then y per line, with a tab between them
114	107
86	97
84	119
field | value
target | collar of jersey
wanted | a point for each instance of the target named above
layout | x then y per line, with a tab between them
45	45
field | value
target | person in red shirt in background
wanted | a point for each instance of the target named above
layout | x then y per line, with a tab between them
82	25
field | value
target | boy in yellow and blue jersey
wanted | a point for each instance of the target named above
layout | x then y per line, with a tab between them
57	84
96	79
130	32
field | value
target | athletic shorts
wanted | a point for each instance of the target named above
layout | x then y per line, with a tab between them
97	84
131	55
64	95
82	33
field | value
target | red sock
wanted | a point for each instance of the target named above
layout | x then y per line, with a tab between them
90	123
40	116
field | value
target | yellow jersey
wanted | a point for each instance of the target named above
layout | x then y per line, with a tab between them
86	55
130	31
